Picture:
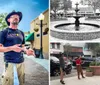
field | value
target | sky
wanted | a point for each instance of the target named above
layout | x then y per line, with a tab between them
75	1
30	9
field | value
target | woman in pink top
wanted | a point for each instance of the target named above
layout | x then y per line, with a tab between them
79	67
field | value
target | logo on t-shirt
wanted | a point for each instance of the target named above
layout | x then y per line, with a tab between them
15	35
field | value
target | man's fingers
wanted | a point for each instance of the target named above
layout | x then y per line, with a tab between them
33	54
18	44
31	50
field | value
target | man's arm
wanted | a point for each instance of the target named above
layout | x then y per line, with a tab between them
24	48
28	51
15	48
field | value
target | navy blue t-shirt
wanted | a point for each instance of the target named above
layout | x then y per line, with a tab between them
10	37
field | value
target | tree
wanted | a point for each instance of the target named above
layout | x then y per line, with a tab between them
54	5
82	2
67	48
95	4
94	47
67	5
3	23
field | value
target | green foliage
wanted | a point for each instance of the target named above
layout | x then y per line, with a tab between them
67	48
92	63
95	63
98	64
3	23
94	47
88	69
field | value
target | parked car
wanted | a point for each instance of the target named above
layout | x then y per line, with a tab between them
97	59
85	61
55	66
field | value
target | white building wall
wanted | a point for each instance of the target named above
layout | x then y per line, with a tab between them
55	50
85	52
88	53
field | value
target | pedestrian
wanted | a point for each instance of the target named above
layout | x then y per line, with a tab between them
12	44
79	67
62	68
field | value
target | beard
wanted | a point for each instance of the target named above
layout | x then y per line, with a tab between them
15	23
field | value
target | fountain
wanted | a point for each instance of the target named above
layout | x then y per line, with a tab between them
76	30
77	22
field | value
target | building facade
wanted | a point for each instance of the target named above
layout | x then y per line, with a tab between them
56	48
35	28
76	50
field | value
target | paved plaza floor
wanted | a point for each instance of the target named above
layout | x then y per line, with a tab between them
35	73
95	80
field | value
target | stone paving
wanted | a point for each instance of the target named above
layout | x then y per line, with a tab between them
95	80
35	74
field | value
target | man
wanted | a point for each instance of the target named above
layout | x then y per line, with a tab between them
12	44
62	68
79	67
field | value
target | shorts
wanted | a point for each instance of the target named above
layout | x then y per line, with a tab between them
62	69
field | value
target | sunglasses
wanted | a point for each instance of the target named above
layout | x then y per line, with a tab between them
14	17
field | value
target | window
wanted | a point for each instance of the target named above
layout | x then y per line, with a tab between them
87	55
53	45
58	45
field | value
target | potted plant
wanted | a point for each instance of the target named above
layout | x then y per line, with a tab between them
95	66
89	72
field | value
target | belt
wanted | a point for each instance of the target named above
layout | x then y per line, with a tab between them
78	64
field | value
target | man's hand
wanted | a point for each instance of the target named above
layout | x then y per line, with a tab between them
30	52
16	48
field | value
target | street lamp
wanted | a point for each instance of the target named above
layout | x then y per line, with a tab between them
41	18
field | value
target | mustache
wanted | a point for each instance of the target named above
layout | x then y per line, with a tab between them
15	19
15	23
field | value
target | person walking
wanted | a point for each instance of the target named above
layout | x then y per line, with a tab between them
12	42
62	68
79	67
